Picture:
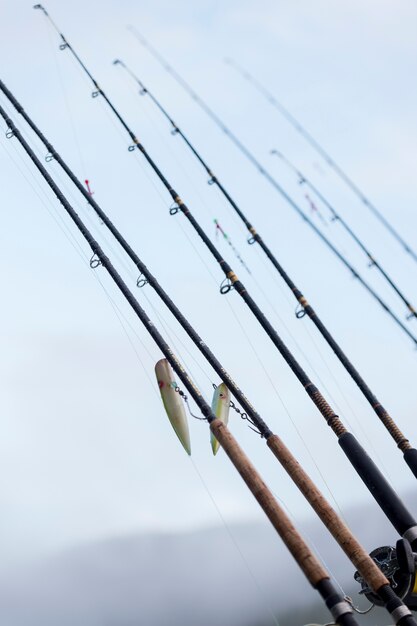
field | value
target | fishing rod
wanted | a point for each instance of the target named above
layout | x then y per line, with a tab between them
271	180
308	562
303	180
364	466
369	571
324	154
381	412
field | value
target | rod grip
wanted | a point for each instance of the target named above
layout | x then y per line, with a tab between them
308	562
381	490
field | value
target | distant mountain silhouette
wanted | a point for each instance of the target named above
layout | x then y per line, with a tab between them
191	579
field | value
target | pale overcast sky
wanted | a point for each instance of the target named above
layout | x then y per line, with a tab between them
86	450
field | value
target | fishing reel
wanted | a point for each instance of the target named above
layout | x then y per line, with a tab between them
399	565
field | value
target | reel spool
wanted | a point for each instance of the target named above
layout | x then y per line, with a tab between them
399	566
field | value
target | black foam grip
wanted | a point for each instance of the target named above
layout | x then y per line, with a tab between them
410	457
381	490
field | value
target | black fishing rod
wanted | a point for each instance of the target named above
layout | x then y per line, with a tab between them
324	154
371	577
303	180
365	467
381	412
310	565
272	181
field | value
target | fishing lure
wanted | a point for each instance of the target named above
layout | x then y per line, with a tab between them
173	403
220	406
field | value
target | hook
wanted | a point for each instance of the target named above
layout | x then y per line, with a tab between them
95	94
49	157
9	133
185	398
251	240
244	416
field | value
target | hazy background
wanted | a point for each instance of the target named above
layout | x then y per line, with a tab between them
86	451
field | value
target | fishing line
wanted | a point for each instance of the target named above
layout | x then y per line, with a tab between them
133	276
255	281
210	494
310	565
325	155
69	235
274	183
73	241
261	591
289	415
366	468
297	430
294	518
39	192
190	179
314	571
232	538
119	314
336	217
268	376
122	319
310	335
306	308
176	161
122	260
67	103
